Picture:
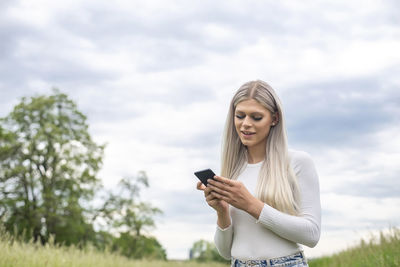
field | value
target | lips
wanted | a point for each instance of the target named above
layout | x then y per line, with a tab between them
247	133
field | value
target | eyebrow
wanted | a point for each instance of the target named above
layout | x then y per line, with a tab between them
253	113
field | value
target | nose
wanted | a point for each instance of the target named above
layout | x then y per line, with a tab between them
247	122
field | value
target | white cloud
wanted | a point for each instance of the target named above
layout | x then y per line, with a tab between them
156	81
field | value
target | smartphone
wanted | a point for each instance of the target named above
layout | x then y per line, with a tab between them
203	175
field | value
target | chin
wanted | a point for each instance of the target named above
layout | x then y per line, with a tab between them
246	143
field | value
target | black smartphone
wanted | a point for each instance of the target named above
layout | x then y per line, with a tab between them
203	175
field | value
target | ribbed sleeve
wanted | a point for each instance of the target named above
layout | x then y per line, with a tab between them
223	241
305	228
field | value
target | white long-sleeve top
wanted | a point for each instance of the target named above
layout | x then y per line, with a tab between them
274	234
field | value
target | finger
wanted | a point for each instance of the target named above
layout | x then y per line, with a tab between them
224	180
220	185
207	190
211	197
218	195
219	190
200	186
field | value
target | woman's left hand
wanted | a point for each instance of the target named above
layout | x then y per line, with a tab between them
236	194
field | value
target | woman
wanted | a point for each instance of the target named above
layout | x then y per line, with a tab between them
267	197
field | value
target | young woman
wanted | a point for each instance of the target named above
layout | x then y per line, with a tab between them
267	197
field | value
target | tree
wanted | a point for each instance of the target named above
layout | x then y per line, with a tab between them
204	251
138	247
124	213
48	177
48	168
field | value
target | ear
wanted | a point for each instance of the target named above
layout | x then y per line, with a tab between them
275	118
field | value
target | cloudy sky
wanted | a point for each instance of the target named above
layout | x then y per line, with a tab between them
155	79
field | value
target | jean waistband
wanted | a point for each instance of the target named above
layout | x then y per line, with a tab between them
298	256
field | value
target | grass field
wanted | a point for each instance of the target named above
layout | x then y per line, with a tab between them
19	254
381	251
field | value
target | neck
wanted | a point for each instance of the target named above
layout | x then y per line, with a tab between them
256	154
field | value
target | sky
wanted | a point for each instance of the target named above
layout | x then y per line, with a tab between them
155	79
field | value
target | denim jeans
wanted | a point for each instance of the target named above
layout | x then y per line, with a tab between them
294	260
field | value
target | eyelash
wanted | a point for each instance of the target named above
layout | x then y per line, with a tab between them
254	118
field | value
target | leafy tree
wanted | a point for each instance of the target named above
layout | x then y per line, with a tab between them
124	213
48	177
204	251
139	247
48	168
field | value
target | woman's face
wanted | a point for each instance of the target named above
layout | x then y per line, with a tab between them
252	122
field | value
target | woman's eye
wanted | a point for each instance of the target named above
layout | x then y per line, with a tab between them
239	117
257	118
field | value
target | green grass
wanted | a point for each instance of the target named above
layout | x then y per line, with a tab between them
382	251
15	253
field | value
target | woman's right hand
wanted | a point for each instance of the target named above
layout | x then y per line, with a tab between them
221	206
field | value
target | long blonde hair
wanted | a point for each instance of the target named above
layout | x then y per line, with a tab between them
277	184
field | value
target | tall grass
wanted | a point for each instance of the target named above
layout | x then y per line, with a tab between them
378	251
14	253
